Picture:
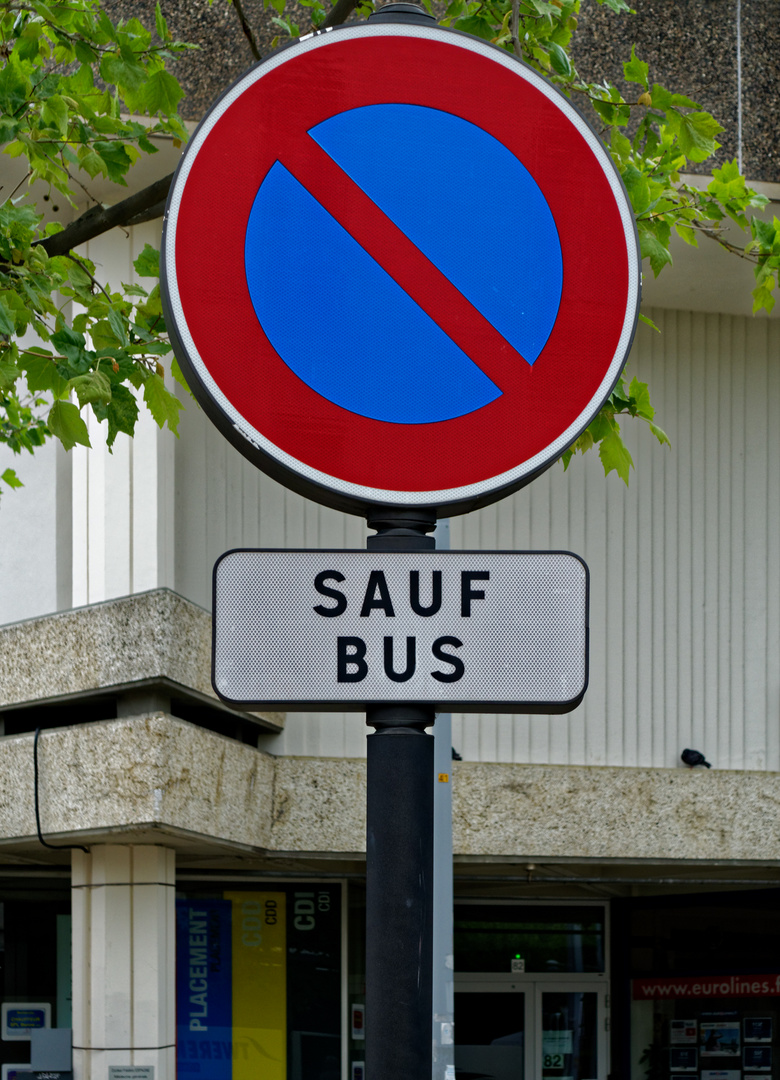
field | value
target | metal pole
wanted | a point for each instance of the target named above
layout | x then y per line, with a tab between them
399	859
443	973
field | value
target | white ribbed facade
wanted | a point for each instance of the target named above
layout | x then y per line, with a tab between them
685	563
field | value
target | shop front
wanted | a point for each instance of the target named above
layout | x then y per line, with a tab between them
270	981
704	987
259	981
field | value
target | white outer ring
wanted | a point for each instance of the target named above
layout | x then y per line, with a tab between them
357	491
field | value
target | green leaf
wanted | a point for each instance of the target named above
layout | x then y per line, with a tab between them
123	70
163	406
85	54
9	477
686	233
727	183
764	232
658	254
9	373
82	81
148	262
117	324
179	377
477	25
614	454
662	437
621	147
640	399
663	99
29	48
635	71
41	374
90	162
66	423
13	87
121	413
90	388
71	344
162	93
160	24
637	187
103	336
117	159
7	320
697	133
649	322
559	59
762	296
55	114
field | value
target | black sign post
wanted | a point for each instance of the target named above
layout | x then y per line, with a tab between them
399	859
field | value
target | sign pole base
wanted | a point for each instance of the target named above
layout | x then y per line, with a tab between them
399	858
399	894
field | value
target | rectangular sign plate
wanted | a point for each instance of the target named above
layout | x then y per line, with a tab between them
461	631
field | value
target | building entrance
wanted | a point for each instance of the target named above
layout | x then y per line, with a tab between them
530	990
534	1029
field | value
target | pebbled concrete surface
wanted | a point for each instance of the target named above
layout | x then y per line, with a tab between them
152	635
121	777
691	46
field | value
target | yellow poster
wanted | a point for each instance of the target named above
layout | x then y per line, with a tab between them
259	986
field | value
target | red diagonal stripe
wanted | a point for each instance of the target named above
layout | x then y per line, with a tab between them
400	258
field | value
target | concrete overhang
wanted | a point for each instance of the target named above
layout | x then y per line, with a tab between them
150	645
225	805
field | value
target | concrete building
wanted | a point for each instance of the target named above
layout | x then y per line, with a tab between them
616	913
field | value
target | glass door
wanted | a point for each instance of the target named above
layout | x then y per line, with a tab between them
571	1032
494	1033
545	1029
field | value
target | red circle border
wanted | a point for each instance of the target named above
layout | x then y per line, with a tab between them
539	403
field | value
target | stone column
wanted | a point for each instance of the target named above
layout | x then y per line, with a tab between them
124	973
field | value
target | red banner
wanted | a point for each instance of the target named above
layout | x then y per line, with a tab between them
706	986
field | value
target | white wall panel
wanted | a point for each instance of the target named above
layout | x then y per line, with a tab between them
35	534
123	512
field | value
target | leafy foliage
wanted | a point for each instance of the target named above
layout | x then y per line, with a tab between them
70	79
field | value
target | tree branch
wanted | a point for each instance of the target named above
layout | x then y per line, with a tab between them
149	203
99	219
340	11
247	29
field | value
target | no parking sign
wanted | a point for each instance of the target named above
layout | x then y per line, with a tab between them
399	268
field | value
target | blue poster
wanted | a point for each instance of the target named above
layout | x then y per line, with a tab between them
204	989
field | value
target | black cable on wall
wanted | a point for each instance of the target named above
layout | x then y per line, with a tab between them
54	847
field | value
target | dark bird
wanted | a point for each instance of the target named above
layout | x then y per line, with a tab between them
692	758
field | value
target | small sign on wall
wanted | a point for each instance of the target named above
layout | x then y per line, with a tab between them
358	1021
683	1032
19	1018
36	1074
131	1072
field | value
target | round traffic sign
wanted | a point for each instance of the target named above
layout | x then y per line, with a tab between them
399	268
